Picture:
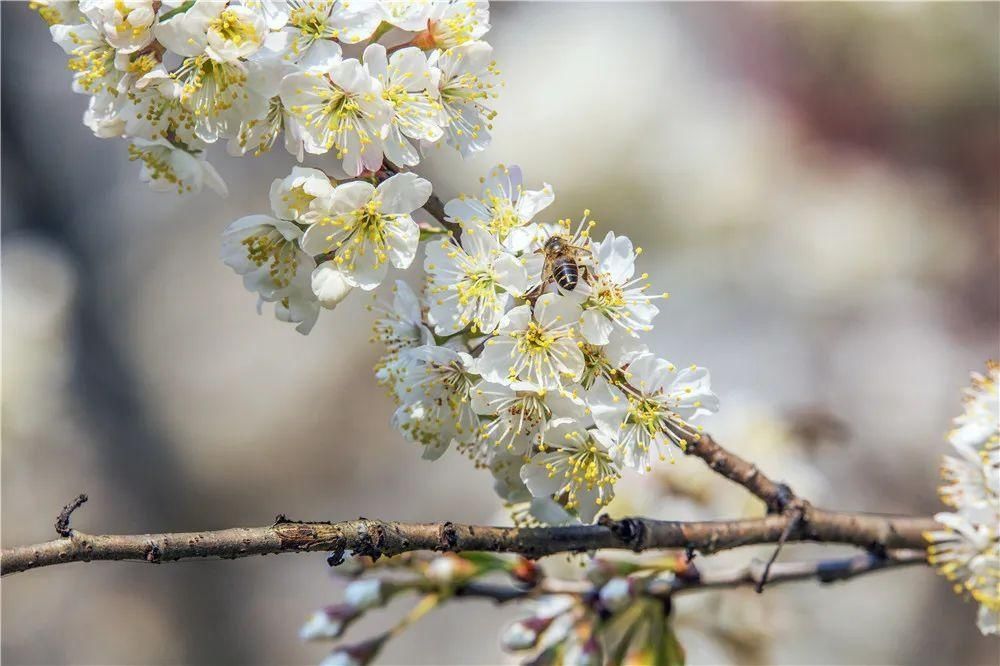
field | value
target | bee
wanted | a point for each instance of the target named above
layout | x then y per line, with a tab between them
562	262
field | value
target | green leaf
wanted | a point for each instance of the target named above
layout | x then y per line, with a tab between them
487	561
669	651
178	10
428	230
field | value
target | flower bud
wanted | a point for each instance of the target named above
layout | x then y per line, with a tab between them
616	594
449	568
367	593
527	572
329	285
524	634
329	622
357	654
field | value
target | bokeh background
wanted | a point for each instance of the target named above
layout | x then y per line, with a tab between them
816	185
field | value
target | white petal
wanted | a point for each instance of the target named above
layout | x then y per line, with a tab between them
351	196
402	237
511	274
595	327
553	310
404	193
329	285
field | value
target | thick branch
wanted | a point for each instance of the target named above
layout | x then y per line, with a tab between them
377	538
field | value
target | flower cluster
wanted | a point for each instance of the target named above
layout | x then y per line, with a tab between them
366	80
621	613
616	617
433	578
967	549
324	239
522	351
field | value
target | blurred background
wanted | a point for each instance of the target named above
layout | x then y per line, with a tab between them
816	185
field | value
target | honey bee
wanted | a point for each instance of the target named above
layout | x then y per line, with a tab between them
562	262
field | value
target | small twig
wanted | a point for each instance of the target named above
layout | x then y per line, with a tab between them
776	496
822	571
62	520
797	514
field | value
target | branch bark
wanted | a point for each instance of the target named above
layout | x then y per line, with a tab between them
776	496
822	571
384	538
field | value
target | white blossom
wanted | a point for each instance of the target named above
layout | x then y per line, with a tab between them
265	251
186	32
518	414
504	207
92	59
434	392
410	88
409	15
367	593
169	168
535	344
467	82
456	22
256	72
367	227
471	283
304	196
297	304
328	623
329	285
611	297
125	24
341	110
967	548
654	410
237	32
575	464
401	325
616	594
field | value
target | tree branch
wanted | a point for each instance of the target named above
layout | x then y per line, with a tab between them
777	496
383	538
823	571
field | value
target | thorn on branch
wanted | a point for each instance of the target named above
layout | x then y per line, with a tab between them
62	520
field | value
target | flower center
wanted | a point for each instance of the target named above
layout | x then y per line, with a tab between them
231	28
607	296
272	248
535	340
478	285
209	87
298	200
645	413
504	216
142	65
310	21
